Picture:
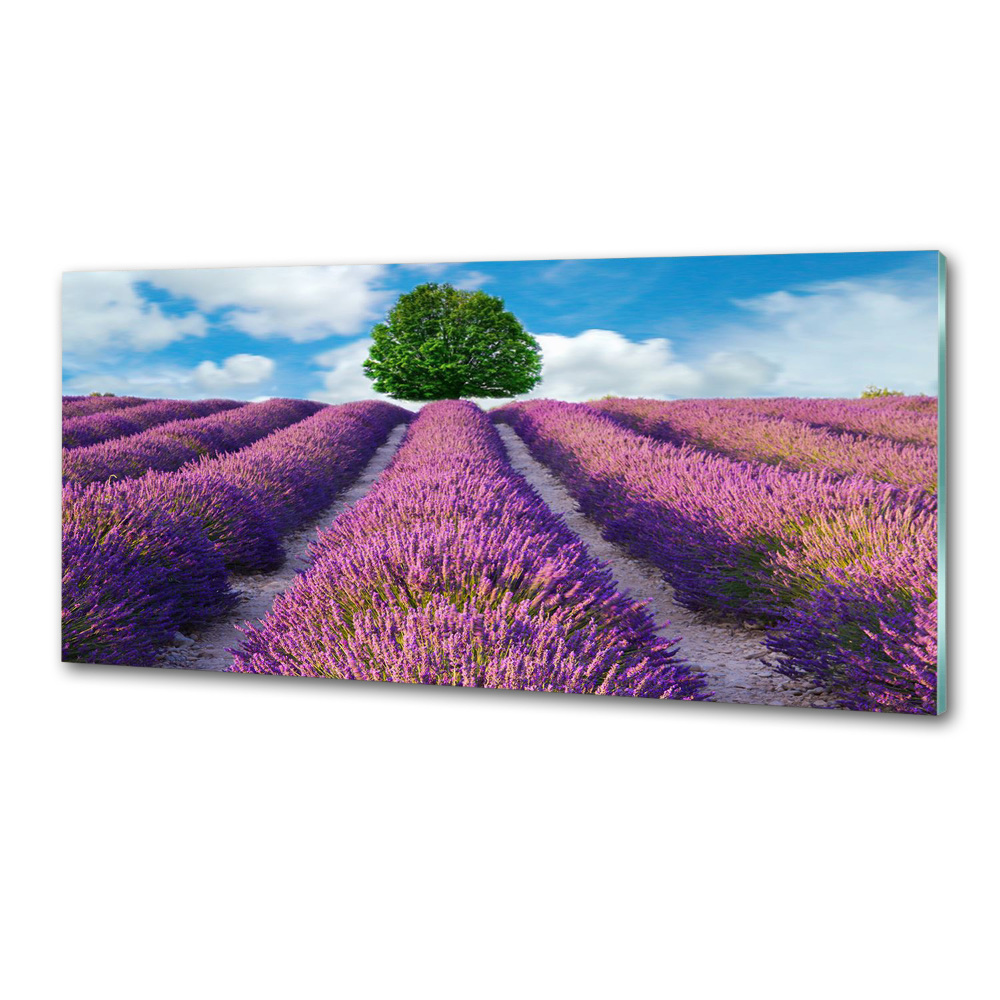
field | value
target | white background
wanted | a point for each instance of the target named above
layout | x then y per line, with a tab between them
208	836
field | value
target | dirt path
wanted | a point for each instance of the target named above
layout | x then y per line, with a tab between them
205	648
734	657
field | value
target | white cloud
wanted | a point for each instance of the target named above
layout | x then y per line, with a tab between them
598	362
234	378
825	339
153	381
737	373
345	379
472	280
834	338
240	369
101	310
602	362
301	303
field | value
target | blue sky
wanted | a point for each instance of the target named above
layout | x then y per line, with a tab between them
792	324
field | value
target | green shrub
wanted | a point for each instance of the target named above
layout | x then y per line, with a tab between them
873	391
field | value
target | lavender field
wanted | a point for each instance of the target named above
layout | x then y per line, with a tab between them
393	545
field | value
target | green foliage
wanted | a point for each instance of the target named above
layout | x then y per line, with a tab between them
101	394
439	342
873	391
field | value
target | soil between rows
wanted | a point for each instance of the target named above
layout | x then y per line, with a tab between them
205	648
739	667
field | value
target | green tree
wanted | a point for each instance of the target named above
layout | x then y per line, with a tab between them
873	392
439	342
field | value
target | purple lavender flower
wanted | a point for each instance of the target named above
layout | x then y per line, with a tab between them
81	406
172	445
737	431
132	576
108	424
146	556
840	568
453	571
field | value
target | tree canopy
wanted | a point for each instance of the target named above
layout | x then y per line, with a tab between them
440	342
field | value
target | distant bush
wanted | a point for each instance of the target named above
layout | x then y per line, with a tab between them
102	394
873	391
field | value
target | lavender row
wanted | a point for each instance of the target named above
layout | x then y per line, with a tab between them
908	419
84	406
843	571
132	576
453	571
79	432
148	556
173	444
250	499
738	433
